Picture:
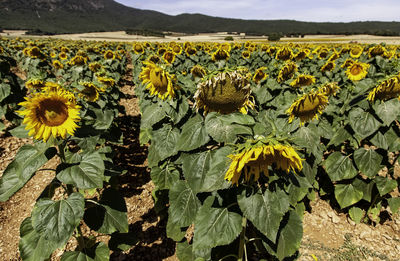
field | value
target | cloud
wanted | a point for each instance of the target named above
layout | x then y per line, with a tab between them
302	10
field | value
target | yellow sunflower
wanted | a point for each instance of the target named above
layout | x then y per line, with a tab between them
198	71
329	89
303	80
177	49
161	51
63	56
386	90
357	71
107	81
257	156
246	54
284	53
169	57
50	113
302	54
287	71
77	60
35	52
190	50
109	55
57	64
308	106
347	63
158	81
225	93
377	50
356	51
260	75
154	58
328	66
220	54
138	48
34	84
91	91
95	66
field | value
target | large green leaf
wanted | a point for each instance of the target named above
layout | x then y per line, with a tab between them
388	111
109	214
151	114
32	245
183	204
104	119
56	220
215	226
28	159
185	252
347	195
99	252
265	211
225	128
339	167
164	142
380	141
368	161
394	204
164	177
309	139
290	236
193	135
205	171
393	140
363	123
385	185
83	171
356	214
339	137
5	90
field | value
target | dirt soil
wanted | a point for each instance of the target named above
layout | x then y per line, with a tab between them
328	235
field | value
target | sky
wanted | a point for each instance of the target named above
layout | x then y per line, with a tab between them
301	10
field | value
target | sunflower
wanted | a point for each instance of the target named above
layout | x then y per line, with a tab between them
284	53
190	50
35	52
225	93
386	90
226	46
323	53
271	50
347	63
77	60
308	106
329	89
161	51
303	80
57	64
158	81
256	156
63	56
328	66
246	54
90	92
356	51
108	82
154	58
260	75
109	55
34	84
95	66
302	54
138	48
287	71
169	57
176	49
198	71
220	54
50	113
377	50
357	71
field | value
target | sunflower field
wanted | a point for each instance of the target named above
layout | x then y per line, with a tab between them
241	137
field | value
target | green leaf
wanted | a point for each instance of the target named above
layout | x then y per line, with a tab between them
122	241
185	252
109	214
164	142
32	245
83	171
205	171
356	214
183	204
290	236
215	226
368	161
339	167
193	135
394	204
347	195
298	188
363	123
393	140
5	90
20	132
387	111
310	140
380	141
104	119
151	115
385	185
225	128
165	177
27	161
56	220
365	187
265	211
339	137
99	252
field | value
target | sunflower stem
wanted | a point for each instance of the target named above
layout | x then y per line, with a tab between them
61	151
242	242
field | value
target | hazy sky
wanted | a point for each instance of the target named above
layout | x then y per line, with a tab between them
302	10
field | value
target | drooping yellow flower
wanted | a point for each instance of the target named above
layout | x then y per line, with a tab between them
284	53
245	54
303	80
169	57
77	60
190	50
225	93
329	89
357	71
158	81
90	92
57	64
302	54
198	71
347	63
287	72
154	58
95	66
50	113
34	84
220	54
260	75
377	50
356	51
386	90
328	66
308	106
323	53
138	48
107	81
35	52
256	158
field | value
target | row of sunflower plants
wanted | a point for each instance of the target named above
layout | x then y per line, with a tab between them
243	135
70	110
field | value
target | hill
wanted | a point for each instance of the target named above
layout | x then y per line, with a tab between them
77	16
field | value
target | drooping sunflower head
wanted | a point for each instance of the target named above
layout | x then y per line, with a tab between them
169	57
303	80
158	81
330	89
35	83
256	156
95	66
328	66
77	60
347	63
57	64
357	71
138	48
220	54
106	81
323	53
198	71
386	90
377	50
109	55
154	59
287	71
161	50
90	91
50	113
260	75
356	51
308	106
35	52
225	93
284	53
190	50
302	54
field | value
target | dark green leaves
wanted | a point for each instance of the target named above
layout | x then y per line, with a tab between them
83	171
28	159
368	161
184	204
347	194
385	185
99	252
388	111
363	123
193	135
339	167
56	220
265	211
